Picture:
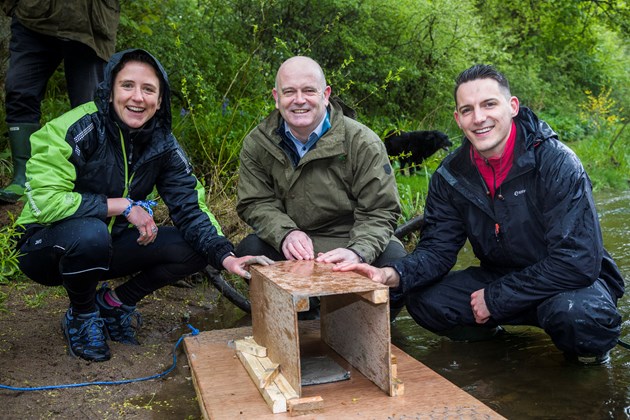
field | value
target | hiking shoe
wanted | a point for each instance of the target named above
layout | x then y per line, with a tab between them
85	336
121	323
588	360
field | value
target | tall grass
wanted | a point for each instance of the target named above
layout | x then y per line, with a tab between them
8	255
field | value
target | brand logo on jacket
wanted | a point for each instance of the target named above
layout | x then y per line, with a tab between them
519	192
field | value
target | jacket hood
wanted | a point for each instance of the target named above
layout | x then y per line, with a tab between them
104	90
532	124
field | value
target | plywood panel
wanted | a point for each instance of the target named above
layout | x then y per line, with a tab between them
274	325
309	278
359	331
225	390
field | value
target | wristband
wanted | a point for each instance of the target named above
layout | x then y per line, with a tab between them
128	209
147	205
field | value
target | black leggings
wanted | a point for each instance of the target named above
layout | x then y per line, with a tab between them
78	253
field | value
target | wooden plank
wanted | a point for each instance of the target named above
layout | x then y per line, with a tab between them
306	405
360	332
394	363
274	326
274	399
376	296
285	387
308	278
397	388
225	390
249	346
198	390
262	370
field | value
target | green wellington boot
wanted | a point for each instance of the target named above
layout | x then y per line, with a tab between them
19	140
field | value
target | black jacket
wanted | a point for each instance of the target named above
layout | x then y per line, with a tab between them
543	235
84	157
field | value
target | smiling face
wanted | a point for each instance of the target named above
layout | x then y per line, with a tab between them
484	112
301	95
136	93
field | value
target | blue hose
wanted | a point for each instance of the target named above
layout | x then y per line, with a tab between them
193	332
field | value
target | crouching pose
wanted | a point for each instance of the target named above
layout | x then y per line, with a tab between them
524	202
87	216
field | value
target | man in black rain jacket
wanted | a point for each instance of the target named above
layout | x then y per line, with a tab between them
524	201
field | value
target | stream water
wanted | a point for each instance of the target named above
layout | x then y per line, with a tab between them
520	374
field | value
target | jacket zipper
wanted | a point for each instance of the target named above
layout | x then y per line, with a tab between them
128	179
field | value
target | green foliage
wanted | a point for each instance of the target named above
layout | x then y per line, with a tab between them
569	127
393	61
9	268
608	168
411	200
599	110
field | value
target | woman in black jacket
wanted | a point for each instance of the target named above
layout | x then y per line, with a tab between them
88	217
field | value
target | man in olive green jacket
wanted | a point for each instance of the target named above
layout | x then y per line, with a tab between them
82	34
313	183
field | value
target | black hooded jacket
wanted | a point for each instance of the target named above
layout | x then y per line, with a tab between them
87	155
540	231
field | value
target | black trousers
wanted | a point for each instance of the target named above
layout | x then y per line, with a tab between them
582	321
78	253
34	57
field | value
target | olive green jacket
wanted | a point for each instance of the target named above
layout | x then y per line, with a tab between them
343	190
90	22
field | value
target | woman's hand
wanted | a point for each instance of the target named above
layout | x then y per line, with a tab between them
145	224
240	265
137	216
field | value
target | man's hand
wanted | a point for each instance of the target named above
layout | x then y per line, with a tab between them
338	255
387	275
239	265
479	307
298	246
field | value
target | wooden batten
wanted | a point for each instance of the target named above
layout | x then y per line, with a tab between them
394	363
376	296
262	375
397	388
273	386
306	405
249	346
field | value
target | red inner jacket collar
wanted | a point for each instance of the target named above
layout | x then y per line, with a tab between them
494	170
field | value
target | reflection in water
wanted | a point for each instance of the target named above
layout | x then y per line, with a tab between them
522	374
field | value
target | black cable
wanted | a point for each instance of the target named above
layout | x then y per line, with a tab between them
623	344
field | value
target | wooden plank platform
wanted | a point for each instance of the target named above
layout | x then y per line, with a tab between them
226	391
